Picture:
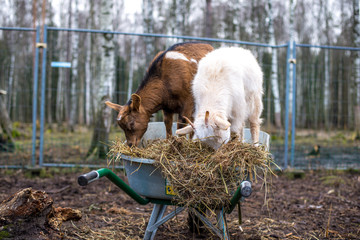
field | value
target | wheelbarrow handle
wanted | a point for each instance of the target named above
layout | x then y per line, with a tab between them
87	178
244	190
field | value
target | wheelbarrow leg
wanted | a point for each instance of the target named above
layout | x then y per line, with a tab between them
157	219
157	213
220	229
221	223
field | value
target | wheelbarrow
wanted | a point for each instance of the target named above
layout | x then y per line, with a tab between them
147	185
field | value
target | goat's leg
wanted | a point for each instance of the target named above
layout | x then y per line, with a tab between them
238	129
255	132
255	120
168	120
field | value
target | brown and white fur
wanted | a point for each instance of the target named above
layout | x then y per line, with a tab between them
228	91
166	86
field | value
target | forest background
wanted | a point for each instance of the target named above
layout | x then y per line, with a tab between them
106	66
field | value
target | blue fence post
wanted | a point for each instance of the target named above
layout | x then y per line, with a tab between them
287	107
293	118
42	110
35	89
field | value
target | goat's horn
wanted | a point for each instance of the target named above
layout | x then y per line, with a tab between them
189	122
207	118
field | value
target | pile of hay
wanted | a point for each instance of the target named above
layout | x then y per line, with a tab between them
199	174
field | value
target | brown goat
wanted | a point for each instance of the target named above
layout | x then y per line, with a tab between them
166	86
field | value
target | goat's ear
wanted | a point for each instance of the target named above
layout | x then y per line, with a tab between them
114	106
222	123
135	102
185	130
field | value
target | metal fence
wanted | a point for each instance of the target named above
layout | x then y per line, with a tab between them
290	146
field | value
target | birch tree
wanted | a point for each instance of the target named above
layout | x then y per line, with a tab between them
148	25
74	66
274	67
356	35
208	19
291	38
180	17
59	111
176	25
326	62
88	73
105	90
131	69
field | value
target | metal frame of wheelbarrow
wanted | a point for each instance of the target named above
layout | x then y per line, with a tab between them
148	192
157	216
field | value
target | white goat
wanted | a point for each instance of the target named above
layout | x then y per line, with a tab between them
228	91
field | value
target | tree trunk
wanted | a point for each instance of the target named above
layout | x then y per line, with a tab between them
131	70
356	32
88	61
291	37
101	132
67	71
94	63
148	22
326	90
208	20
49	92
105	90
74	68
13	86
6	125
87	80
274	69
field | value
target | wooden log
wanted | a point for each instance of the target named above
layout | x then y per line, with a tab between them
59	215
25	204
30	212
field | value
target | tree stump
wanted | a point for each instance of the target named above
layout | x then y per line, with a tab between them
30	213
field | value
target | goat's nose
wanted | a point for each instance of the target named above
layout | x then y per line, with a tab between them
129	144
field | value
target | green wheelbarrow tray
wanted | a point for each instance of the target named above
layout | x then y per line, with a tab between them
147	185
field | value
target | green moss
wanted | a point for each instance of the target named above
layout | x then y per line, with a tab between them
4	233
332	180
44	173
8	172
16	124
294	174
352	171
15	133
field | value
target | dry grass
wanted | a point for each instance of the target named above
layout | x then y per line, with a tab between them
198	174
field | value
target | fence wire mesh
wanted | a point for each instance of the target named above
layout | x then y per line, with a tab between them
324	95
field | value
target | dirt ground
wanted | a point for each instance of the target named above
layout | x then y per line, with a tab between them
318	205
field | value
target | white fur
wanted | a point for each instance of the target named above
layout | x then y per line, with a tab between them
228	84
176	55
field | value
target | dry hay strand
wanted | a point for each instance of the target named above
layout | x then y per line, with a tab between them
198	174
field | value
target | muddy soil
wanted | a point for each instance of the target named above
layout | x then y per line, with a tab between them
318	205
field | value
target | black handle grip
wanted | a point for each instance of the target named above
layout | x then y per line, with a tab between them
87	178
246	189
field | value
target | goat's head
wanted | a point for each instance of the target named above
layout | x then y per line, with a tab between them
132	118
213	129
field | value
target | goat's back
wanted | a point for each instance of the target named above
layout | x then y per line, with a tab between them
231	68
227	78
